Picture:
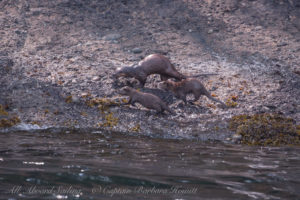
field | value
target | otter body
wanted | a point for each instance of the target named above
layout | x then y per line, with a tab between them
188	86
152	64
148	100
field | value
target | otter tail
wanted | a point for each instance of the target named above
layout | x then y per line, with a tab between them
216	100
205	74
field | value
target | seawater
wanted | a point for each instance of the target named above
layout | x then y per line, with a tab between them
70	164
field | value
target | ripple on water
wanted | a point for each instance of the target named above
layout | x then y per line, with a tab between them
262	166
84	161
33	163
254	195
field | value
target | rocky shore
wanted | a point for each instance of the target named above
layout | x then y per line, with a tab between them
57	58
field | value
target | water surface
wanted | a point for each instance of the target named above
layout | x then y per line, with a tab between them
97	165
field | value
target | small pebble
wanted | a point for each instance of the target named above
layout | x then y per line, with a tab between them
96	78
236	137
113	36
84	94
137	50
75	99
210	31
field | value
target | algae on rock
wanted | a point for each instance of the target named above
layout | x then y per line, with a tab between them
265	129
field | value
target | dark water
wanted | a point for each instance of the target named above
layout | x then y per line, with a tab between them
73	165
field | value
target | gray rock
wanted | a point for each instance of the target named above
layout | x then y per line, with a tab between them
84	94
112	36
95	78
265	109
257	28
75	99
236	137
210	31
159	51
6	62
214	88
137	50
272	107
282	44
132	59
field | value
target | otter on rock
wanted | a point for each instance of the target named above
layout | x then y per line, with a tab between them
152	64
188	86
148	100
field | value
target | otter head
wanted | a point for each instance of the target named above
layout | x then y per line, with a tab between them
123	71
125	90
166	85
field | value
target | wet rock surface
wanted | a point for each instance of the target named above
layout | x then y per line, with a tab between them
56	56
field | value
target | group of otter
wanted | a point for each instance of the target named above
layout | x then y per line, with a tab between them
159	64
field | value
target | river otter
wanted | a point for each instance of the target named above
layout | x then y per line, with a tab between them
152	64
188	86
148	100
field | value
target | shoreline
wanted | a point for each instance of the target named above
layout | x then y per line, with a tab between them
57	57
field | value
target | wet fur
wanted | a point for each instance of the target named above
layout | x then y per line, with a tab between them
188	86
148	100
152	64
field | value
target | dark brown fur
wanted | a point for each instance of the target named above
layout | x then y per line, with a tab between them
188	86
148	100
152	64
